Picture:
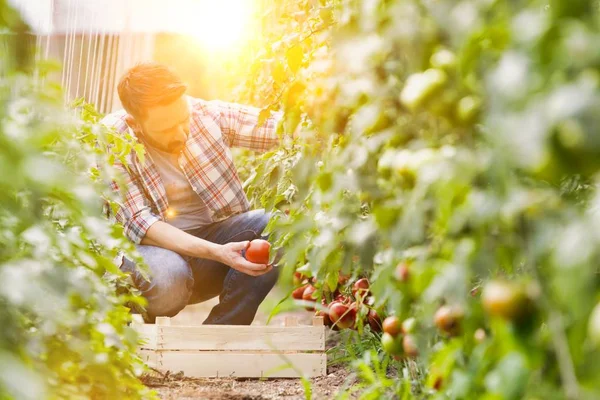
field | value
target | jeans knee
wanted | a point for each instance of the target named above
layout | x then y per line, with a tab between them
258	221
264	283
171	282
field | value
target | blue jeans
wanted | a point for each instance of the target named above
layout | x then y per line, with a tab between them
176	281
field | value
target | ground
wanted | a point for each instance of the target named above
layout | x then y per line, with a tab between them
180	388
171	387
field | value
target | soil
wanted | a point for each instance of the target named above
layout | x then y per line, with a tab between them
176	386
182	388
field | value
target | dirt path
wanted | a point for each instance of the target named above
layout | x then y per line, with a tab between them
171	387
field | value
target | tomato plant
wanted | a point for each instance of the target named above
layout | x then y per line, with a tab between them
444	147
64	304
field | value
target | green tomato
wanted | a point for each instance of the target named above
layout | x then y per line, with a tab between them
420	87
594	325
506	299
391	345
409	325
443	58
467	109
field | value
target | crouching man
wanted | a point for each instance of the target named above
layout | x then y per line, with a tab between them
184	206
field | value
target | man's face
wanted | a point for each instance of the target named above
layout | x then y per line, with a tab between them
167	127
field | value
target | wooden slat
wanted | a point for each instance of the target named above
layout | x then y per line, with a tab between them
200	364
148	333
229	337
291	321
150	357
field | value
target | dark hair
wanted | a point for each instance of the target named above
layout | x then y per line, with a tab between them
148	85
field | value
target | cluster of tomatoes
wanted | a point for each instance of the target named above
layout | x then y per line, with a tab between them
343	311
511	301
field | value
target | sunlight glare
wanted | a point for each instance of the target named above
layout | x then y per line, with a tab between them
221	25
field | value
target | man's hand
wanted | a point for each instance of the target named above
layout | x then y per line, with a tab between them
231	254
168	237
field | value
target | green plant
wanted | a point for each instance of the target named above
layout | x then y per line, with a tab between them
64	325
459	139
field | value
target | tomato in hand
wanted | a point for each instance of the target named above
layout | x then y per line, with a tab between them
258	251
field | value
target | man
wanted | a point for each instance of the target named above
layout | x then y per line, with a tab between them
184	207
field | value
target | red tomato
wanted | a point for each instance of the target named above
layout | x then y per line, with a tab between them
258	251
392	325
360	287
374	320
342	315
298	292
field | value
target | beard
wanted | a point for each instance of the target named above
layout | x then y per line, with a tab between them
172	147
175	146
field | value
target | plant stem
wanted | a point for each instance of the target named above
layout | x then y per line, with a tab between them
565	362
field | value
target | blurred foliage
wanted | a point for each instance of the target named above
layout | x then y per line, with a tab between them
64	325
458	137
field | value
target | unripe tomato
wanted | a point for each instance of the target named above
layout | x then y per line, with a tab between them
468	108
390	344
506	299
421	86
408	326
443	58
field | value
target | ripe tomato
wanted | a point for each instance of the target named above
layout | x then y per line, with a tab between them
258	251
299	292
308	294
374	320
392	326
325	315
360	287
342	315
409	344
448	319
402	272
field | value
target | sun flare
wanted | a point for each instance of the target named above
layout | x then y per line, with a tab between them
221	25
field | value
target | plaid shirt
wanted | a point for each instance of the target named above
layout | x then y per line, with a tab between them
206	161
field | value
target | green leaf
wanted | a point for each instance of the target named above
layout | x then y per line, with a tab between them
510	377
279	75
264	114
294	57
325	181
140	151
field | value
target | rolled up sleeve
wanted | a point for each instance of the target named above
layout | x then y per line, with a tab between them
240	125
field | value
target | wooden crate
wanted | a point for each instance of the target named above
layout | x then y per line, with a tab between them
287	351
